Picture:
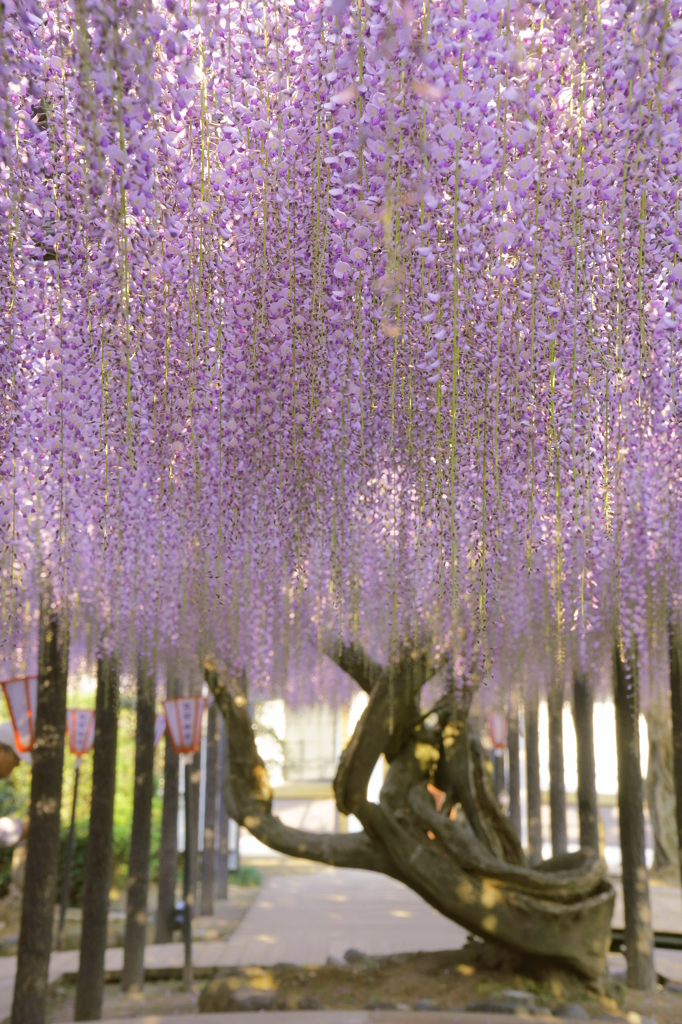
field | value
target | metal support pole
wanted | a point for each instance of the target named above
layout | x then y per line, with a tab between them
66	881
188	973
498	763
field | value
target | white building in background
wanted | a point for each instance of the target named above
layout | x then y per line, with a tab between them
301	747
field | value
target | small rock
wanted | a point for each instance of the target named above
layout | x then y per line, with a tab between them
381	1004
521	999
309	1003
572	1011
672	986
354	956
491	1006
333	961
426	1004
219	997
402	1006
252	999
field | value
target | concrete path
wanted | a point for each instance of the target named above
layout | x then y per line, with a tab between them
345	1017
666	907
306	918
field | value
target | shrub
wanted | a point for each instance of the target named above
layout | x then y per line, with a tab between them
246	876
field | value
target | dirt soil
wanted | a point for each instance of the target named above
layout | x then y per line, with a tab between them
449	980
165	998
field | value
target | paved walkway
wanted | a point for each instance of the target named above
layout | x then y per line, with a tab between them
666	907
344	1017
304	919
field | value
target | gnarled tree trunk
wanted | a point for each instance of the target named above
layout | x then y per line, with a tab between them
472	869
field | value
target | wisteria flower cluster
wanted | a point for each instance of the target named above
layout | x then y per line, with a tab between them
352	316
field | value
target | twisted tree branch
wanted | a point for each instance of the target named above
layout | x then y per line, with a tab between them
248	797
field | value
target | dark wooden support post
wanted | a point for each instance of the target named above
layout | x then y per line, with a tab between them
675	654
583	710
533	779
168	851
514	771
138	871
557	786
221	877
66	880
209	858
188	898
193	825
638	933
42	855
99	853
498	771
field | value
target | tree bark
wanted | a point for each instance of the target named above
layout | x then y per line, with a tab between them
557	786
514	771
472	869
221	875
138	869
638	934
168	852
583	715
42	855
533	780
675	654
208	859
99	852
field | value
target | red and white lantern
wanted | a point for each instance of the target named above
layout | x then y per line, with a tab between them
80	727
497	729
183	721
21	695
159	729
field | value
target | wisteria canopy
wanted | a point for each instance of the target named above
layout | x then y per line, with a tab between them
356	318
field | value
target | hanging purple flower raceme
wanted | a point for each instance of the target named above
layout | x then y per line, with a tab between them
347	318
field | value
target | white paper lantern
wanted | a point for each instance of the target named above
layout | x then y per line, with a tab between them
80	727
497	728
183	721
22	699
